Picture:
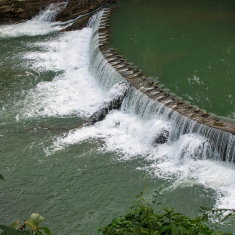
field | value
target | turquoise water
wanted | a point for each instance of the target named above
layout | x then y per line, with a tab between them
188	45
80	180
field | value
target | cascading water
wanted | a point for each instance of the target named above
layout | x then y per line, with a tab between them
190	145
40	25
83	178
217	144
50	13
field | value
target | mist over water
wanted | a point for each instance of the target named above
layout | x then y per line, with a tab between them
89	174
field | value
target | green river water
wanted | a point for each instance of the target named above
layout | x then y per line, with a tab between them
188	45
80	180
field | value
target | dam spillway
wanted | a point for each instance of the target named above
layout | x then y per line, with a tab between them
188	46
148	100
80	180
91	174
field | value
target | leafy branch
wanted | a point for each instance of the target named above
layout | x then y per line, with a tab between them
143	219
29	227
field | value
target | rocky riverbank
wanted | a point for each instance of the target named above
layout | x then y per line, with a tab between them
77	7
19	10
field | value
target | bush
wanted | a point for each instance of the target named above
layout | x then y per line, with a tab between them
142	219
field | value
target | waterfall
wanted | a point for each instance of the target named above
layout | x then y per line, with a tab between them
39	25
50	12
109	68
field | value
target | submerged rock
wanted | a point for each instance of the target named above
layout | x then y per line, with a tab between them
161	138
115	98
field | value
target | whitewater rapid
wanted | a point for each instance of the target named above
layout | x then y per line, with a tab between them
74	91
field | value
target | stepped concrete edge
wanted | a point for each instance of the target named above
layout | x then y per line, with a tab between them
144	84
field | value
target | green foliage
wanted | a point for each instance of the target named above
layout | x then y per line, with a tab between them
29	227
142	219
1	177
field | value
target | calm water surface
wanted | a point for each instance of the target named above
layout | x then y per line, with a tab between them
80	180
188	45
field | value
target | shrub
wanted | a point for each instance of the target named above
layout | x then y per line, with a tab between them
142	219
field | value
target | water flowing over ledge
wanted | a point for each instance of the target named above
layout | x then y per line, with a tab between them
148	100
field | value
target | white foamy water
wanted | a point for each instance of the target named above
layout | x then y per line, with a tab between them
39	25
74	91
176	162
121	133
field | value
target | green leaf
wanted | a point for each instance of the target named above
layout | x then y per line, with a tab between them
205	231
165	228
9	231
45	230
15	225
31	224
1	177
26	232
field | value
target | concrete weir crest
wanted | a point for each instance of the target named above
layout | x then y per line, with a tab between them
147	98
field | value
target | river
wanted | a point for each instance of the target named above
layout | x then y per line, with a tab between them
80	179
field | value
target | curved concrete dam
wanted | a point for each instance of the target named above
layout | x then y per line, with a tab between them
148	100
95	171
187	47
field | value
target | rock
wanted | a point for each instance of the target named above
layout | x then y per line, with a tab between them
78	24
20	10
116	96
80	7
161	138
